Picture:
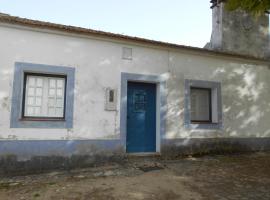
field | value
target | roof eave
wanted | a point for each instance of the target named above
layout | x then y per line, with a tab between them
4	18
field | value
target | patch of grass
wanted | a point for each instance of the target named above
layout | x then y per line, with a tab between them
4	186
51	183
9	185
36	195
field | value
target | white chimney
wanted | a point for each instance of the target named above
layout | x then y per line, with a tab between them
239	32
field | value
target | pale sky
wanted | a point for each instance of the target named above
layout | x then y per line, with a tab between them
175	21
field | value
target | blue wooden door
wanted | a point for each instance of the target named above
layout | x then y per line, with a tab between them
141	117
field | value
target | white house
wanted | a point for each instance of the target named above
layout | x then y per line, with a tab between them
69	92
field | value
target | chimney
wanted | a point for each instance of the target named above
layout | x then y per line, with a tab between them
239	32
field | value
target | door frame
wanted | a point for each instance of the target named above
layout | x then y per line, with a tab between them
161	108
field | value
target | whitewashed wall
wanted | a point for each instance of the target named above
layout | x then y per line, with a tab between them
245	86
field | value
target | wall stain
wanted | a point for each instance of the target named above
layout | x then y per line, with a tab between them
5	103
12	137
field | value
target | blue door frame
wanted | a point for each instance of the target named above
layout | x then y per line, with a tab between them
141	117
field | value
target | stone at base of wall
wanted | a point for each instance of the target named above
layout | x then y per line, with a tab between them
24	157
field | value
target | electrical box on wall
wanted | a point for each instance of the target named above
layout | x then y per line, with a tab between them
110	99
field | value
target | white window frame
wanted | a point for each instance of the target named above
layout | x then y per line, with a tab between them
45	92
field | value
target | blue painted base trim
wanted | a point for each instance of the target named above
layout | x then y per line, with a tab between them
26	149
27	157
24	157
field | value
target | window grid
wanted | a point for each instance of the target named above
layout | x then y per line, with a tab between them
55	96
44	96
34	96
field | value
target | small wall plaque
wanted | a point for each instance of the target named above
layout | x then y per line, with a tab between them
111	99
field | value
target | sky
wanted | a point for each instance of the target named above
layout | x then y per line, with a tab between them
175	21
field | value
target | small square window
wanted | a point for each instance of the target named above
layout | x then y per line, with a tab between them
200	105
41	99
203	108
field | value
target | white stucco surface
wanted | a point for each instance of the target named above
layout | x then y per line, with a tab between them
245	85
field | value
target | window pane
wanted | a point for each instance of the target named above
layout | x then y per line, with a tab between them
59	102
30	111
52	92
59	92
38	101
51	111
30	101
52	83
37	111
60	83
31	81
59	112
31	91
200	104
51	102
44	96
39	82
39	92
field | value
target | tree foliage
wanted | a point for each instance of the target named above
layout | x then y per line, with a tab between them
256	7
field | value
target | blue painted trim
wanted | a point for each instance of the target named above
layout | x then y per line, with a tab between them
125	77
25	149
17	95
203	84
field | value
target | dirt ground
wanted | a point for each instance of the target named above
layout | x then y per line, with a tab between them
236	177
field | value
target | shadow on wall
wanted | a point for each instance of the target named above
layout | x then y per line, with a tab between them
245	97
245	101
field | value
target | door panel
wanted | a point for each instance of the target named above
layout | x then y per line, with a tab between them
141	117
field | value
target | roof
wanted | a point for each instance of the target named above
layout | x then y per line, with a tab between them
13	20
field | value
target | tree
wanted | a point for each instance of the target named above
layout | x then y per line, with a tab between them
256	7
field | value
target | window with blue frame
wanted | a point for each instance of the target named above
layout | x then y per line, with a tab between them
43	96
203	107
